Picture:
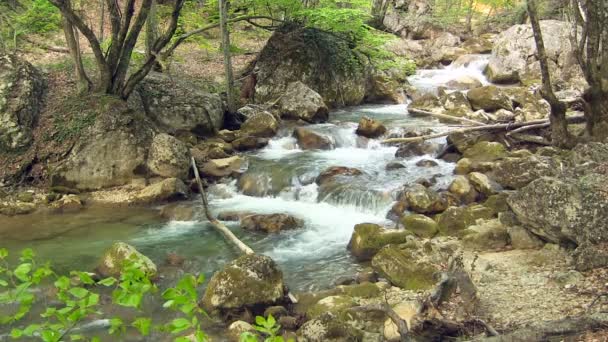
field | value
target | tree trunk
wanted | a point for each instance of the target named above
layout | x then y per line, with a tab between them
559	127
102	17
230	91
152	34
470	16
71	37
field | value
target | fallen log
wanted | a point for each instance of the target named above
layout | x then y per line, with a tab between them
402	327
505	127
445	117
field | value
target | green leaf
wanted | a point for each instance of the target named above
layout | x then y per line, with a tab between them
259	320
3	253
107	281
77	337
84	277
270	321
116	325
62	283
92	300
143	325
179	324
181	339
16	333
22	271
27	255
78	292
3	283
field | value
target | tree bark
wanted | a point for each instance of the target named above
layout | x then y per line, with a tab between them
152	34
102	18
559	127
471	4
71	37
229	77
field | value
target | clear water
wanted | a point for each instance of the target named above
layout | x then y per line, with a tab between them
429	80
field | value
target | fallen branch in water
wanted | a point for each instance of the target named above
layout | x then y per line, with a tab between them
445	117
505	127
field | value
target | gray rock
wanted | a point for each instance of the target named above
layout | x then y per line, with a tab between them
301	102
168	157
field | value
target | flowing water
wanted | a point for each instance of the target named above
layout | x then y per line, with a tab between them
312	257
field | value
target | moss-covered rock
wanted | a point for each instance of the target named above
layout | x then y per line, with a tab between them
498	203
421	225
363	290
336	305
424	200
486	151
456	219
515	173
249	280
489	98
327	328
404	267
261	124
114	259
486	235
369	238
483	184
463	190
272	223
370	128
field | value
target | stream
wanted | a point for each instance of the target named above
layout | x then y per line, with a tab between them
311	258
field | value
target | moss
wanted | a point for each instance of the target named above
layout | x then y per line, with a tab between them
369	238
486	151
404	268
365	290
421	225
336	305
455	219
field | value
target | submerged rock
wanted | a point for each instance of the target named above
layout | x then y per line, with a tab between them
115	258
416	149
330	173
272	223
300	102
247	281
369	238
370	128
310	140
404	267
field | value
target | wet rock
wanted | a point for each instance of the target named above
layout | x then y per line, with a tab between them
421	225
515	173
21	89
416	149
237	328
483	184
114	259
166	190
427	181
327	328
370	128
254	183
369	238
455	104
174	260
486	235
272	223
489	98
426	163
68	203
367	275
485	151
427	102
404	268
233	215
310	140
407	311
17	208
463	166
397	210
521	238
423	200
464	83
335	305
394	166
456	219
300	102
330	173
249	142
177	212
168	157
463	190
384	88
261	125
232	287
222	167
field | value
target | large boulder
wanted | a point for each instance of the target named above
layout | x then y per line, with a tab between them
272	223
166	190
118	255
489	98
486	235
222	167
424	200
515	173
112	151
369	238
310	140
247	281
421	225
21	89
261	124
168	157
514	55
382	88
320	60
301	102
178	105
405	267
456	104
370	128
455	219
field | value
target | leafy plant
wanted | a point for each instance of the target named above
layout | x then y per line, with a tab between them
268	327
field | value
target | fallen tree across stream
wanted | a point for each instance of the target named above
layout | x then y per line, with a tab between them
499	127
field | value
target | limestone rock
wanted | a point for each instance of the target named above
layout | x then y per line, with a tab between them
249	142
247	281
68	203
272	223
178	212
310	140
370	128
421	225
327	328
456	219
336	171
407	311
166	190
423	200
464	83
521	238
168	157
113	260
486	235
485	151
300	102
222	167
483	184
404	268
489	98
463	190
261	125
369	238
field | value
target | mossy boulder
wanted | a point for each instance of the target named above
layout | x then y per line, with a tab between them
364	290
483	184
463	190
456	104
272	223
118	255
486	235
405	267
455	219
336	305
261	125
489	98
424	200
369	238
370	128
515	173
247	281
328	328
421	225
485	151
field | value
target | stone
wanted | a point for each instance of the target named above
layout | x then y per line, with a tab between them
249	280
404	268
336	171
521	238
464	82
261	125
21	90
370	128
498	202
463	166
113	260
426	163
421	225
310	140
515	173
289	323
407	311
67	203
237	328
276	311
168	157
25	197
485	151
222	167
328	328
177	212
272	223
427	102
384	88
465	140
179	105
233	215
336	305
249	142
18	208
300	102
455	104
423	200
394	165
485	235
169	189
416	149
463	190
368	238
483	184
455	219
227	135
489	98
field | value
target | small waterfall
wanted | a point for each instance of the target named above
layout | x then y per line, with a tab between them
428	80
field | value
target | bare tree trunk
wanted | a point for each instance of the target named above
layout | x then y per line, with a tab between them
559	127
71	37
230	91
102	17
152	34
470	16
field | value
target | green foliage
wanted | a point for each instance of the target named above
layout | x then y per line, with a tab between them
79	295
268	327
68	128
31	17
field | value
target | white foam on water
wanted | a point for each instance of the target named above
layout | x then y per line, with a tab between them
427	80
279	147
